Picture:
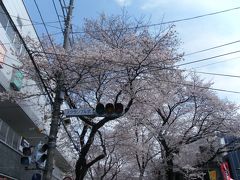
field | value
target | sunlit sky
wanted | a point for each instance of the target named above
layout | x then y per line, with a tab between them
196	34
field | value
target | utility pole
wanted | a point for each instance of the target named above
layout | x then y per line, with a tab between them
56	106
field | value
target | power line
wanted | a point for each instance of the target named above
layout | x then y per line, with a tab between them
32	22
215	63
150	25
202	87
216	74
54	4
63	12
199	16
211	48
49	37
204	59
45	27
52	133
173	21
4	27
214	47
215	89
156	24
59	21
157	68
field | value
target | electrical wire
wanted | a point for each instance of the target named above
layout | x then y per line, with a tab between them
205	59
45	27
210	64
63	12
143	26
211	48
33	22
188	54
202	87
4	27
218	74
56	11
76	148
59	21
156	67
172	21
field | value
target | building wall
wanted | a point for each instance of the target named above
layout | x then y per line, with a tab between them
11	154
10	164
10	41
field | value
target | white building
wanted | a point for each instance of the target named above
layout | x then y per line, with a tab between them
20	122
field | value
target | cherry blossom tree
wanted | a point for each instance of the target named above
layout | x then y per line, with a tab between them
111	61
123	57
186	111
120	60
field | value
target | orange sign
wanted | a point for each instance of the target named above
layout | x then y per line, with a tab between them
212	175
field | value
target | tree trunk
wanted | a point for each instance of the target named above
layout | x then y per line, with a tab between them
169	171
141	174
81	169
47	174
170	174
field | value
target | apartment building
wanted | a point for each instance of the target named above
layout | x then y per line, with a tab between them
21	123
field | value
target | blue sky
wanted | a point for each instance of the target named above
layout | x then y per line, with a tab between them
197	34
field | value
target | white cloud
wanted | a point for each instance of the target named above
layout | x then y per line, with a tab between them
150	4
123	2
204	4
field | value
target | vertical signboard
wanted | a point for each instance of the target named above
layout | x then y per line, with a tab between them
225	171
2	54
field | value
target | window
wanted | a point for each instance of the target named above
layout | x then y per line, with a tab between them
9	136
23	51
3	131
7	25
17	44
19	21
2	54
11	33
3	18
16	140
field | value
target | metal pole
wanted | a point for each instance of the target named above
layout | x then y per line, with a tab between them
68	25
47	175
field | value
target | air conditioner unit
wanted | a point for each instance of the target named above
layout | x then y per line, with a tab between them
16	80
